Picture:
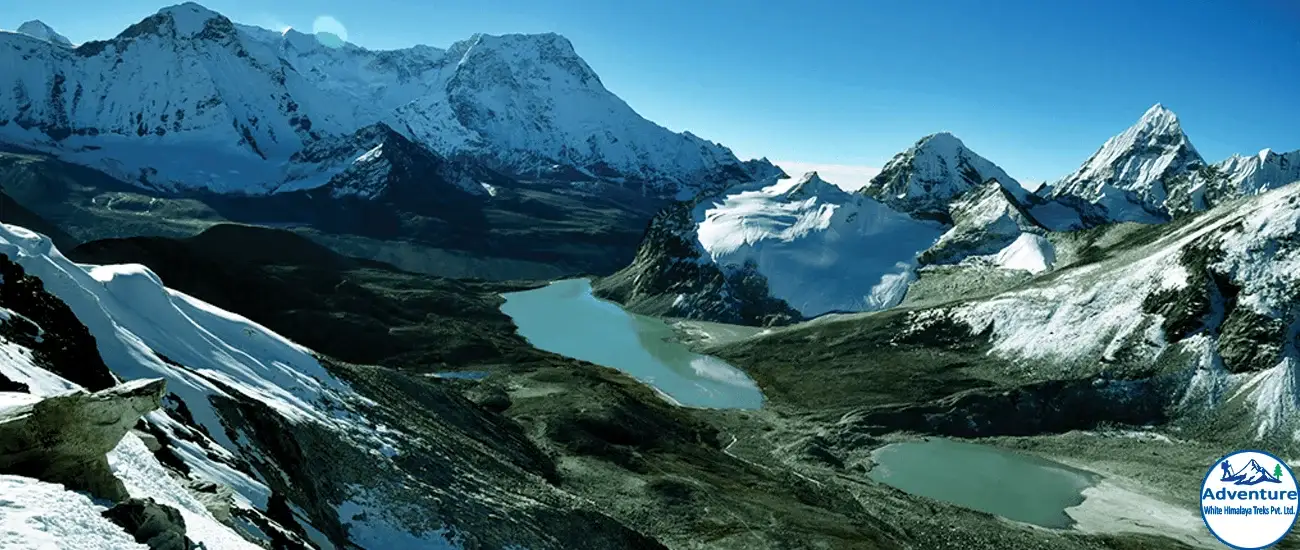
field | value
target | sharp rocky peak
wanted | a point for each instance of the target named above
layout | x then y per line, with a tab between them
1138	165
1159	119
811	184
931	173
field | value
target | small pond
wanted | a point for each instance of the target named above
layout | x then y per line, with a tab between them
980	477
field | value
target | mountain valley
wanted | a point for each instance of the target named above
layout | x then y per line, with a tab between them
274	271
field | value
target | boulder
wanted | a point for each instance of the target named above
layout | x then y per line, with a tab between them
156	525
65	438
218	499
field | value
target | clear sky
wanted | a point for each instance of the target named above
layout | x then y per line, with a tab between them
1034	85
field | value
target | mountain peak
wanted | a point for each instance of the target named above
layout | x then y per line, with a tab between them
940	139
38	29
189	18
1136	164
1159	119
810	185
933	171
506	52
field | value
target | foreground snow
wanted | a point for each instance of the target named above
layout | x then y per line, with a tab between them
144	330
43	516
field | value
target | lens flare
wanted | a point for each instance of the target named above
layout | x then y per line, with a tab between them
329	31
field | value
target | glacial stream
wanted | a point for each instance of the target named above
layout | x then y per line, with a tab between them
563	317
1012	485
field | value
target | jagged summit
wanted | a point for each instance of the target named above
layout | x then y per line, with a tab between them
38	29
189	18
1136	167
1160	119
936	169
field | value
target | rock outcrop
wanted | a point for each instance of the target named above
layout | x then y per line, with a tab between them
64	438
159	526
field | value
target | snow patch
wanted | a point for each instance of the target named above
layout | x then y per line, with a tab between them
369	526
1030	252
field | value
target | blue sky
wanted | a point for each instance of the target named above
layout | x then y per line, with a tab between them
1034	85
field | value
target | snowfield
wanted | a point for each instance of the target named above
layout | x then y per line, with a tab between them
821	249
44	516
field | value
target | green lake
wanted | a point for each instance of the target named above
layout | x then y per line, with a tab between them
563	317
980	477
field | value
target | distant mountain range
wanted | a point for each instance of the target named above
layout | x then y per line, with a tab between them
197	101
780	250
450	150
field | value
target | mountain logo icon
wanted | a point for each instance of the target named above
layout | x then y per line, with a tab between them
1250	474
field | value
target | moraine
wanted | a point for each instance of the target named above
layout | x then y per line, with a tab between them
563	317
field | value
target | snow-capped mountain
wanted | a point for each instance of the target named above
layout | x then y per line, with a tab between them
783	249
1238	176
1130	175
199	102
935	170
38	29
1151	171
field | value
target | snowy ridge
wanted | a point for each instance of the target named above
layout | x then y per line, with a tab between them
820	248
1238	176
137	322
985	220
937	169
200	102
144	330
1242	348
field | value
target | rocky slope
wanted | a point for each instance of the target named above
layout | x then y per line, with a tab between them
200	102
380	209
311	456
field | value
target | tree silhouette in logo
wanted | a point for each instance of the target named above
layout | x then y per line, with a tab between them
1277	471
